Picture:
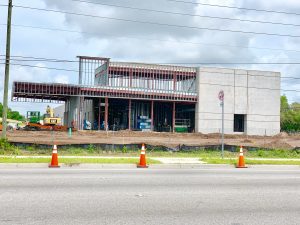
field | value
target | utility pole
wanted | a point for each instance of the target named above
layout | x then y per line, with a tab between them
6	78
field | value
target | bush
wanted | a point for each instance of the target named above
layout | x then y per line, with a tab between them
5	145
124	149
91	148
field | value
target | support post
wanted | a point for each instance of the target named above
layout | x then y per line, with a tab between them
106	114
222	129
99	115
6	78
173	116
129	114
152	115
221	98
80	71
174	81
130	77
81	116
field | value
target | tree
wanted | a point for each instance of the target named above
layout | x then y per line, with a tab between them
14	115
289	115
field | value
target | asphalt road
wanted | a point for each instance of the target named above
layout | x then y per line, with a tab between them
150	196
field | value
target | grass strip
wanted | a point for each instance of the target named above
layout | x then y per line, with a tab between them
76	160
199	153
250	161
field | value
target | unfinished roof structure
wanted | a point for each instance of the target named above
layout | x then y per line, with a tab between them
139	96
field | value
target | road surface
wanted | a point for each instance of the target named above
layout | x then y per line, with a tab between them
150	196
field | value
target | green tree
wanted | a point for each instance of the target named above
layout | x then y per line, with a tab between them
14	115
284	104
289	115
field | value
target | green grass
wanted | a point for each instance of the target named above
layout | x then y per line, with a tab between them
201	153
8	149
250	162
75	160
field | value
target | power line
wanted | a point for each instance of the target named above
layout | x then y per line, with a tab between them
42	67
42	58
159	24
51	60
187	14
214	84
170	63
151	39
235	7
271	89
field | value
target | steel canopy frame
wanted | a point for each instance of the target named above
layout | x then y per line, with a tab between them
24	91
100	78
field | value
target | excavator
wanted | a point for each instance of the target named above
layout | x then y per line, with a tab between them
47	122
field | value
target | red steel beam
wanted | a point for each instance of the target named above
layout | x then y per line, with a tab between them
99	116
106	114
152	115
129	114
173	116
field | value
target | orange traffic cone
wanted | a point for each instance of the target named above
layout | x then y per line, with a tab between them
241	163
142	163
54	160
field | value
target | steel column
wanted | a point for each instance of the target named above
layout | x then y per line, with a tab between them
174	81
129	114
173	116
152	115
106	114
99	116
130	77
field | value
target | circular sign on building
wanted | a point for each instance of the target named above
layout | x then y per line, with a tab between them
221	95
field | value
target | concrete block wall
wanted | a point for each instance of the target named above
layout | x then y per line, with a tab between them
255	94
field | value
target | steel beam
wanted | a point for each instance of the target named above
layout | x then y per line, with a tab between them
129	114
173	116
106	114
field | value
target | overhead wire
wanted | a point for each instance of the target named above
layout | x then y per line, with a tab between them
214	84
51	60
41	67
186	14
152	39
235	7
185	42
158	23
165	63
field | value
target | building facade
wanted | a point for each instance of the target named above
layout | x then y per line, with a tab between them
149	97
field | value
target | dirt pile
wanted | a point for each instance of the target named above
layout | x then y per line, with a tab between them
282	141
279	144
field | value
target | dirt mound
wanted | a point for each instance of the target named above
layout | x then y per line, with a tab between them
279	144
247	141
281	135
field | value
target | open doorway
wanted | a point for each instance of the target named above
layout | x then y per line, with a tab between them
239	123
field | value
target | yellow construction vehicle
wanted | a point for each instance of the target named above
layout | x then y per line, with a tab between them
49	118
47	122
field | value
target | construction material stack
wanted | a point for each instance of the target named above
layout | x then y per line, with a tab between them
144	123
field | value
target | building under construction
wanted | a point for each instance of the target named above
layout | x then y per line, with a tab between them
164	98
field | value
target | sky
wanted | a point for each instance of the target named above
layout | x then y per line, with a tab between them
141	42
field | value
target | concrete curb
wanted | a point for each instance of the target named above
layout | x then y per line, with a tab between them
133	166
106	166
